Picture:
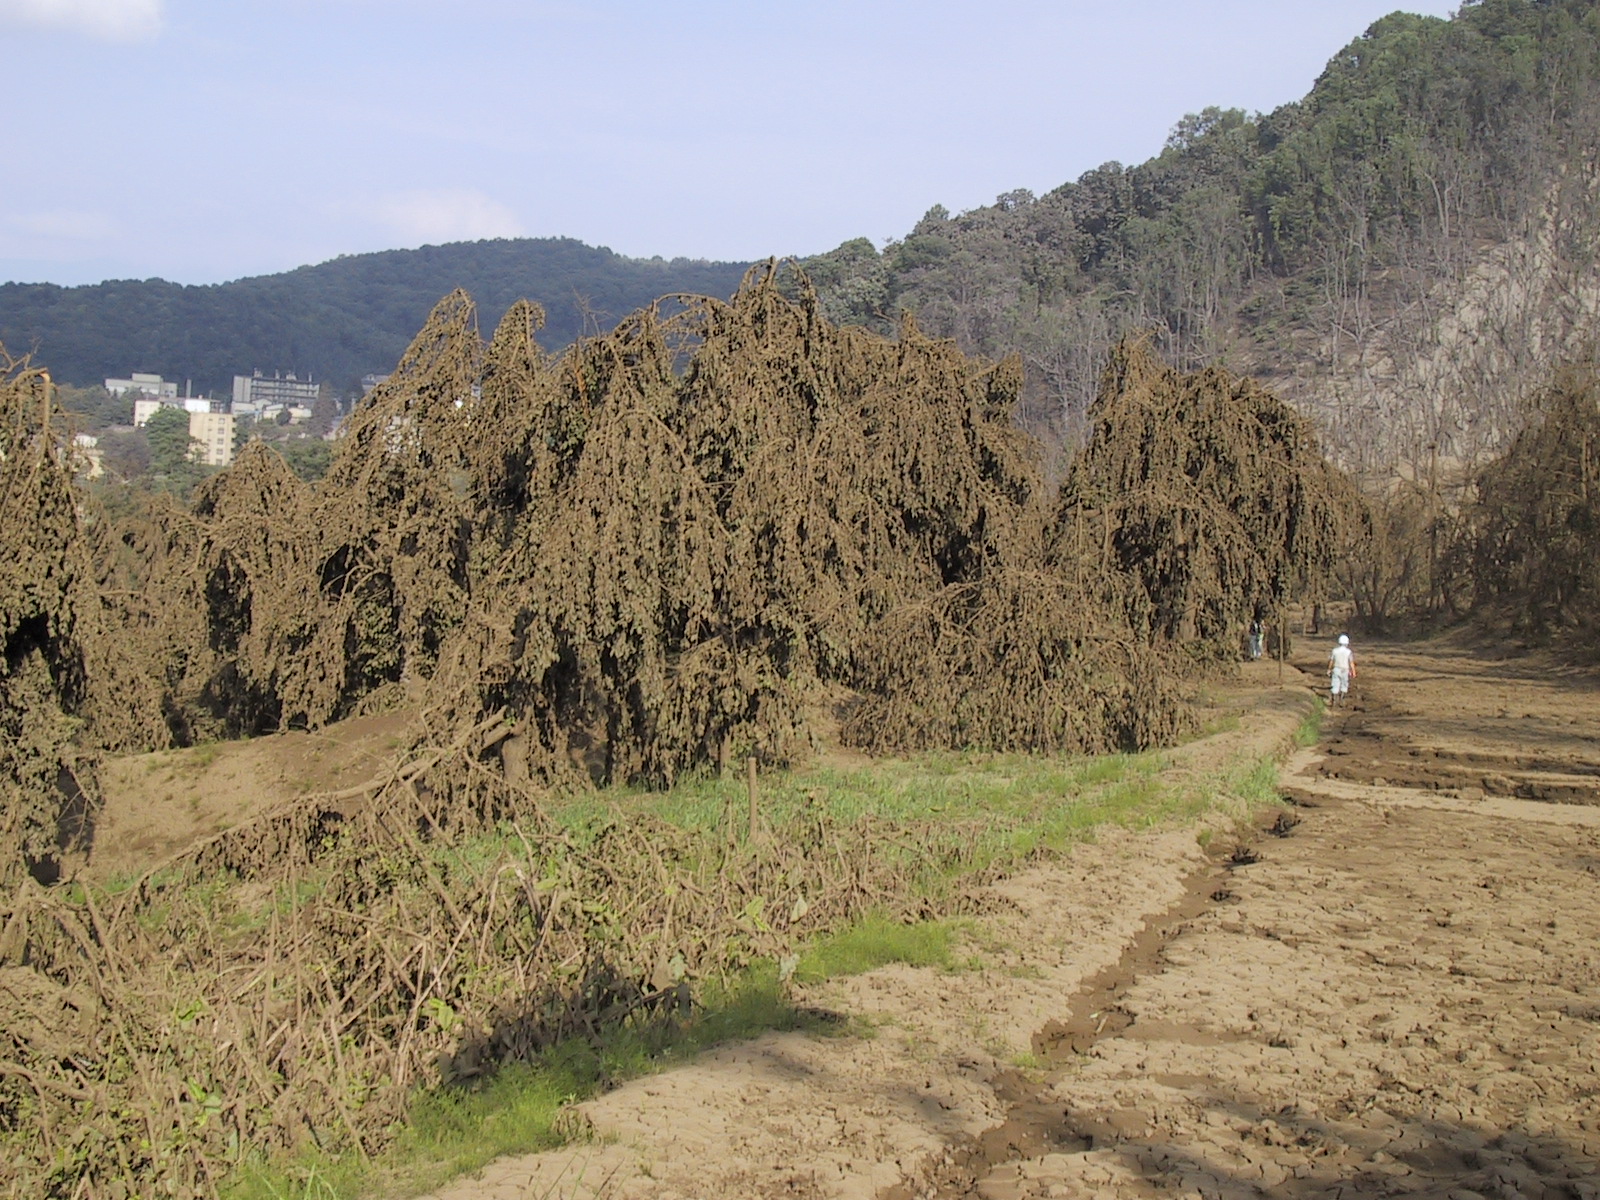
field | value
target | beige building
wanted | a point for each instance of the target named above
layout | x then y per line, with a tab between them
214	432
144	408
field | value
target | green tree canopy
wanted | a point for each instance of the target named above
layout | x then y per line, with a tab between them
171	447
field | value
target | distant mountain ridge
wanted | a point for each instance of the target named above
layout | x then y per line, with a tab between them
336	320
1406	253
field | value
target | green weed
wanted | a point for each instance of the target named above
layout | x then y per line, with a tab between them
1256	783
1027	1060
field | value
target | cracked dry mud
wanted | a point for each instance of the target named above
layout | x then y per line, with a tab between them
1396	995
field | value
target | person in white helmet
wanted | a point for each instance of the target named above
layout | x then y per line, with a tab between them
1341	669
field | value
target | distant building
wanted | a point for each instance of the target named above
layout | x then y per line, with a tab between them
88	459
257	393
145	385
147	406
214	433
211	429
144	408
370	381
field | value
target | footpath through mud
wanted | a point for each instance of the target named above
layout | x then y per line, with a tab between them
1392	989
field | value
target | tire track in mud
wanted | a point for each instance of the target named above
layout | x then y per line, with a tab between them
1400	999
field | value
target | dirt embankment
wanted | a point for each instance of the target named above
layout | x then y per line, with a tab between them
159	805
1397	995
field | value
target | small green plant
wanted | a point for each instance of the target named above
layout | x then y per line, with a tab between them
1027	1060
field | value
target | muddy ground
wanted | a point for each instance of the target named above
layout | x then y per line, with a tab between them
1392	988
161	804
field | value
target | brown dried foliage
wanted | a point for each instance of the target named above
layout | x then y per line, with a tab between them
47	595
66	691
160	1032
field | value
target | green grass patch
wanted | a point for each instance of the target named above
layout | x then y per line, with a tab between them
877	941
1311	728
1027	1060
1001	808
1255	783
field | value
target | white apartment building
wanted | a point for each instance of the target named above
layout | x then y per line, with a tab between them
145	385
257	393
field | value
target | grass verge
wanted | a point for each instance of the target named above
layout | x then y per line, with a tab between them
1311	728
876	941
520	1108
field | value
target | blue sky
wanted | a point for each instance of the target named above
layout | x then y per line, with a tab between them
206	140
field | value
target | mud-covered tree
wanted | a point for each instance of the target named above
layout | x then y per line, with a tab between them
1210	496
48	609
1532	538
1391	571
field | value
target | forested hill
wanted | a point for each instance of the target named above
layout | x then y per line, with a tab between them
1400	252
337	320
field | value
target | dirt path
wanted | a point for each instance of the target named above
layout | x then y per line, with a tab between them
1399	995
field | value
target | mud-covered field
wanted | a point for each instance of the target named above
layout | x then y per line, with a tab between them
1392	991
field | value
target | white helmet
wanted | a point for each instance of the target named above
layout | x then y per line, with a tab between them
1344	639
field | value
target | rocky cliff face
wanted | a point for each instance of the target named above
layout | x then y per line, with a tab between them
1429	370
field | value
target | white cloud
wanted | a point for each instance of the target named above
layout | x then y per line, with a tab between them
109	20
63	226
447	215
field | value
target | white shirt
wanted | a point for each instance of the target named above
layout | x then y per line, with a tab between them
1341	658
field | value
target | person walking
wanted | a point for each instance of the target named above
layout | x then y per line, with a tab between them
1341	669
1256	639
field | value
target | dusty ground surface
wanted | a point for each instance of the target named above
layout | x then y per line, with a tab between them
1399	995
157	805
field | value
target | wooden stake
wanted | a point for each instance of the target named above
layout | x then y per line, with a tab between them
750	786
